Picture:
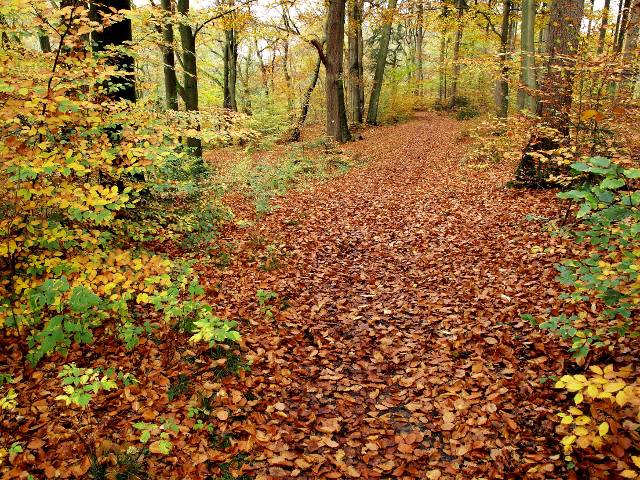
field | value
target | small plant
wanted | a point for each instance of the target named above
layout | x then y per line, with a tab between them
81	384
160	431
265	298
178	387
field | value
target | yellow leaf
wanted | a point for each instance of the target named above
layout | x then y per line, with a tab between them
580	431
635	460
596	369
603	429
621	398
567	420
614	387
568	440
578	398
583	420
628	474
575	411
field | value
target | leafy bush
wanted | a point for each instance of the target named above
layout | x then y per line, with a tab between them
75	170
603	311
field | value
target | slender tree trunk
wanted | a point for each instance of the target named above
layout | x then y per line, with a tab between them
306	100
442	91
419	44
502	97
246	90
526	97
355	61
118	34
230	69
263	68
603	26
287	75
190	82
622	30
168	59
337	127
631	43
381	61
45	43
618	22
456	51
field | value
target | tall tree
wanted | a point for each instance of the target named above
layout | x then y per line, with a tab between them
230	60
116	34
381	62
456	50
502	97
356	100
557	88
296	133
337	127
168	58
622	27
526	98
189	65
633	32
419	45
603	26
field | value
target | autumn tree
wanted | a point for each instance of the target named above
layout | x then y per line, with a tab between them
381	62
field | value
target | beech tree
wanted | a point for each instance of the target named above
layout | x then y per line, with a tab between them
337	127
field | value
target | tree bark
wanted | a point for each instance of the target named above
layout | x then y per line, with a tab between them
168	59
603	26
622	29
381	61
190	82
456	51
337	127
122	87
502	97
557	87
356	102
296	134
527	99
419	45
230	69
442	90
45	43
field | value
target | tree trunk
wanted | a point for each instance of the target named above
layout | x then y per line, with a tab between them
502	87
631	43
118	34
381	61
246	100
45	43
287	75
442	90
296	134
190	82
603	26
230	69
456	52
337	127
168	59
356	103
622	29
526	97
419	44
557	87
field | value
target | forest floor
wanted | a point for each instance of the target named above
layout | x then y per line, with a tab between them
391	345
381	337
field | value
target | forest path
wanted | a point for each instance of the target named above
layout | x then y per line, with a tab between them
396	349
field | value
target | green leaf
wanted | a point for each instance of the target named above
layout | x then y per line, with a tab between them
580	167
632	172
612	183
82	299
600	162
584	209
